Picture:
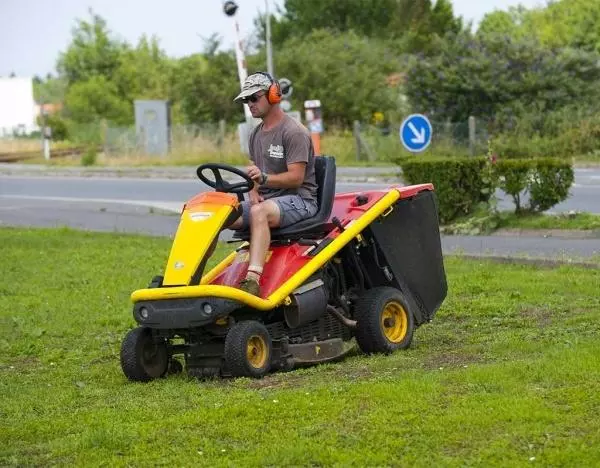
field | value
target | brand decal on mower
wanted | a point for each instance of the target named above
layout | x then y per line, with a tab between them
179	265
200	215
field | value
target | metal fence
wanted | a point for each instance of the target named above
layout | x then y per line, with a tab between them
220	142
382	142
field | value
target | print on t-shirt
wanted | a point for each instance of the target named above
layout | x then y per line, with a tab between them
276	151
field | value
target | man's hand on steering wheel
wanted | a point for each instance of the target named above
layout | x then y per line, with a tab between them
221	185
255	173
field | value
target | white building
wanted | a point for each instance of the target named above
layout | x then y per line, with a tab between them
17	107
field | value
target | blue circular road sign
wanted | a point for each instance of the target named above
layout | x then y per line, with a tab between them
415	133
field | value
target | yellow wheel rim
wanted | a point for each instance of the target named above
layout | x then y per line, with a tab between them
257	351
394	322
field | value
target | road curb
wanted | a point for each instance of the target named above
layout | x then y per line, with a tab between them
540	262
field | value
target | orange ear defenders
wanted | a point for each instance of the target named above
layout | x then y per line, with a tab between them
274	92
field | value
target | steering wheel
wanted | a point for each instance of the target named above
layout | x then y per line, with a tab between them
221	185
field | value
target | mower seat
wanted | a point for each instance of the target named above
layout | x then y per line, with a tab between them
325	172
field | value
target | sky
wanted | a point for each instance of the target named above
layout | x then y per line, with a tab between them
34	32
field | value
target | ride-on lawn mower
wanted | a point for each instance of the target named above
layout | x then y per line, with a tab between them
367	266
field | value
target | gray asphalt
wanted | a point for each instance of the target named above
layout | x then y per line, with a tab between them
151	205
179	183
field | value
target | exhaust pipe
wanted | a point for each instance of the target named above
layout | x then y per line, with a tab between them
342	318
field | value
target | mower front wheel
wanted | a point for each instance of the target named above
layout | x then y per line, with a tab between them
248	350
143	359
385	321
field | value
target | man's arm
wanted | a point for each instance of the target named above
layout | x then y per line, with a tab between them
293	178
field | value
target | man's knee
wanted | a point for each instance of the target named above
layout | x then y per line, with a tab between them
266	212
258	214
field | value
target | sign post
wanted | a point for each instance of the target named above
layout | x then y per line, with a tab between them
314	119
415	133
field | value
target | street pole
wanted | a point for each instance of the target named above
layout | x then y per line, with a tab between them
242	69
268	40
230	8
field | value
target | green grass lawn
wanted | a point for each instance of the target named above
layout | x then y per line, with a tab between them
483	222
579	221
507	374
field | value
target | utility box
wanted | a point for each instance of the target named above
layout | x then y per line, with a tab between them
153	126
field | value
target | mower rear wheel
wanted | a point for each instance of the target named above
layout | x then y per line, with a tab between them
142	359
248	349
385	322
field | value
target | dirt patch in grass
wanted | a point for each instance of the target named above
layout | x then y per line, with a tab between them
543	316
451	360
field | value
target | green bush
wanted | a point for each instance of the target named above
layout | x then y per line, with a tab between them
58	126
549	183
460	183
546	180
89	157
513	177
463	185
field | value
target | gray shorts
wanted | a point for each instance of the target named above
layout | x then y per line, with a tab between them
292	208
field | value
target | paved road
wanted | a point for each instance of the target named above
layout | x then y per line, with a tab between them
150	206
179	183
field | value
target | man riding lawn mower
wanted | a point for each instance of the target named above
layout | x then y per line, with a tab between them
319	269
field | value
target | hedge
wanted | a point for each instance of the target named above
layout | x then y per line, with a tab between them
463	183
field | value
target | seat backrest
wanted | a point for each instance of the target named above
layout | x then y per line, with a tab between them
325	172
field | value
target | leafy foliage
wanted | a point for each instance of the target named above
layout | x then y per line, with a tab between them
550	184
461	183
464	185
205	87
532	74
97	98
92	52
503	77
564	23
50	90
345	71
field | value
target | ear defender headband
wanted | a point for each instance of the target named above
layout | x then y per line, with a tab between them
274	92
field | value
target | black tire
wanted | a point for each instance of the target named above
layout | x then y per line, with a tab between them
141	358
248	350
385	321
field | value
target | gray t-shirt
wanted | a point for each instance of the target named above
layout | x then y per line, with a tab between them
272	150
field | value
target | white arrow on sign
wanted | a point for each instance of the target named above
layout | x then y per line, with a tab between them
419	135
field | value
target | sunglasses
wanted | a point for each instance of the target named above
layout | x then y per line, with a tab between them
253	98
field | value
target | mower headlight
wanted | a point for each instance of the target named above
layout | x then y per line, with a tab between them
144	313
207	308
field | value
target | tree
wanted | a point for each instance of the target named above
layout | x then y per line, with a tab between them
414	22
143	72
97	98
300	17
91	53
49	90
500	22
499	76
204	87
345	71
573	23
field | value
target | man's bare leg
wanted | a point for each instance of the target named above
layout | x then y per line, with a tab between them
263	217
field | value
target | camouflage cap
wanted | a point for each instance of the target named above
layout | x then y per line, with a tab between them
254	83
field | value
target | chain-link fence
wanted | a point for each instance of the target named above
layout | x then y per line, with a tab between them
217	141
382	142
213	141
